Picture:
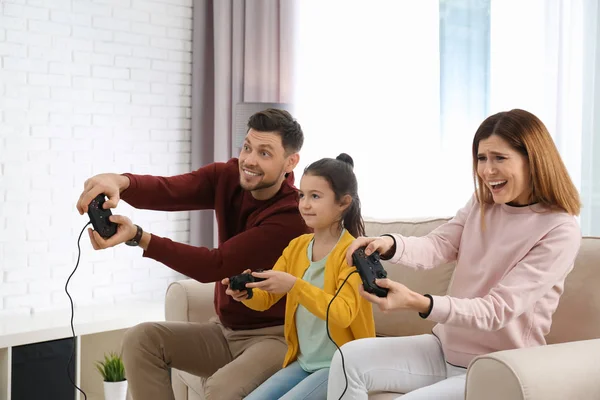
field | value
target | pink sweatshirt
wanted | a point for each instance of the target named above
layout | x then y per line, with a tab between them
508	277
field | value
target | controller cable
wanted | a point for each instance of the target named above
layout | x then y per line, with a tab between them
73	315
329	335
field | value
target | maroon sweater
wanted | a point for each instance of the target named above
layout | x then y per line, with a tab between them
252	233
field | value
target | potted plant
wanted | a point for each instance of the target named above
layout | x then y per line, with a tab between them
113	374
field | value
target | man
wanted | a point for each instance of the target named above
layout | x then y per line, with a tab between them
256	206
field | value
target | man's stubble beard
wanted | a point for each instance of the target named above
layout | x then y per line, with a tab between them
262	184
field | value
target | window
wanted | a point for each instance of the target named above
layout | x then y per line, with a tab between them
402	86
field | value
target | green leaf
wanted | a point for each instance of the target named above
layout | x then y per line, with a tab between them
112	368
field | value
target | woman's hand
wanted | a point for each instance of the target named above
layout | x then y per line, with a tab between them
399	297
238	295
381	244
277	282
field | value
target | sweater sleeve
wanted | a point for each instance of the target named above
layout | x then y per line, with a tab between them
346	306
261	299
438	247
546	265
191	191
252	249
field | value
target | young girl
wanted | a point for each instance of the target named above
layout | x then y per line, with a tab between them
311	271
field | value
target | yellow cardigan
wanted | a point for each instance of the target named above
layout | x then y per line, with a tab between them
350	315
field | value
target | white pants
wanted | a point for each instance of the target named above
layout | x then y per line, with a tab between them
413	364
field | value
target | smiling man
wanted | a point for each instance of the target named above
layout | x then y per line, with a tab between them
256	206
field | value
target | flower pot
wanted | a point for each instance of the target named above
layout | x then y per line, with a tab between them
115	390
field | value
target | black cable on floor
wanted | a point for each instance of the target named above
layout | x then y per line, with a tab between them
73	315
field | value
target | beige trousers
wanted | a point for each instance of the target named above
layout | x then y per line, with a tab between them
232	363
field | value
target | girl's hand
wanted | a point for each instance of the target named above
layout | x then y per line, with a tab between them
238	295
399	297
277	282
381	244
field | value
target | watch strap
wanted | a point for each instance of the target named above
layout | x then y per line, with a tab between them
136	239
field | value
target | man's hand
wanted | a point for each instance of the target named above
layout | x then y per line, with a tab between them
277	282
110	184
381	244
238	295
399	297
126	230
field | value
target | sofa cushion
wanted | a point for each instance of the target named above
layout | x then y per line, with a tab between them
578	314
435	281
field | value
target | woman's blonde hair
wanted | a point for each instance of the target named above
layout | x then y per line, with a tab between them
551	185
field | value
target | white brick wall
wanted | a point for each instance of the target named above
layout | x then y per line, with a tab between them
87	86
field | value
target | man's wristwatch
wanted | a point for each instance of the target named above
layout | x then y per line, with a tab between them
136	239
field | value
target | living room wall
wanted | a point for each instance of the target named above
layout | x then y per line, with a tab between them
87	86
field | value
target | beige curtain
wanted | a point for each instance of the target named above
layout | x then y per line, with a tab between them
242	52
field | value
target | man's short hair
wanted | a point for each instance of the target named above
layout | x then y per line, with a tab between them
282	122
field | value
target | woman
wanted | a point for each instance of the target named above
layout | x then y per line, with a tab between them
515	241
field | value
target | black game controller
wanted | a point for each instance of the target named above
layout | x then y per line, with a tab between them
238	282
99	217
370	268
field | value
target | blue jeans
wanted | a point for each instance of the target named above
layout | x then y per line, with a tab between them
293	383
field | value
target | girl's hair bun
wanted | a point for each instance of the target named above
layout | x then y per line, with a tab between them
346	158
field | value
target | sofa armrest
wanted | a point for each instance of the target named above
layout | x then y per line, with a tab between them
552	372
190	300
